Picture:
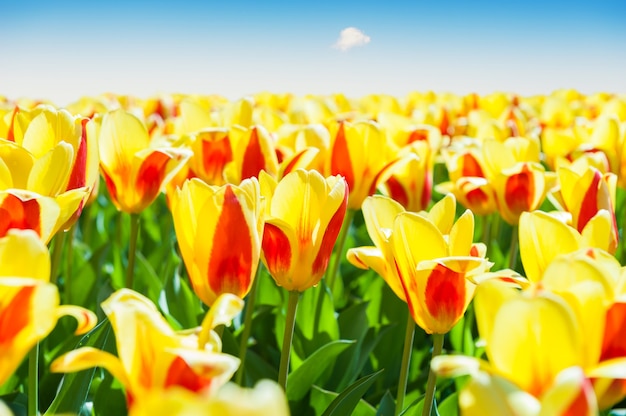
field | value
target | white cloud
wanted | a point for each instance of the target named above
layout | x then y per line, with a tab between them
351	37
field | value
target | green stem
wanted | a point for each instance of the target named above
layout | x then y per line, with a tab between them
486	237
247	327
513	247
290	322
432	377
33	381
57	250
132	249
406	360
68	267
341	241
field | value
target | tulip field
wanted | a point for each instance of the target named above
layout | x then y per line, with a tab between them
431	254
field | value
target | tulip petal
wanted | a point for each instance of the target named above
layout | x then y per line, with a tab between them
86	319
541	238
222	312
89	357
22	254
51	172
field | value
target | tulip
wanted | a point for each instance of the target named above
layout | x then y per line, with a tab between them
304	215
303	219
48	151
29	304
543	237
361	154
154	358
253	151
219	232
212	150
134	171
583	192
468	181
412	181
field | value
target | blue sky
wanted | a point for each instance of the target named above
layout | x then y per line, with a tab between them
61	50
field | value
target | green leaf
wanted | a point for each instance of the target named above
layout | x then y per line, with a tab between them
74	387
321	399
387	406
450	405
345	403
301	380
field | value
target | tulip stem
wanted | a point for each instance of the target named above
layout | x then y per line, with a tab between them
513	247
432	377
132	249
406	360
290	322
341	241
33	381
59	242
247	327
68	267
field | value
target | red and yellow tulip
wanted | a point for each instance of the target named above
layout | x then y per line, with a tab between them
134	171
152	357
29	303
219	231
304	214
253	151
361	154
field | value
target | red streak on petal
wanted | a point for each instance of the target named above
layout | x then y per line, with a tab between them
330	237
215	155
253	159
230	263
15	213
589	205
427	189
614	342
340	163
581	405
77	178
276	249
110	186
397	191
293	162
14	316
477	198
474	251
180	374
418	135
445	294
471	167
520	191
151	175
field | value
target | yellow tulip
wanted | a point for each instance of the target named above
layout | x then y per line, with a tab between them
212	150
152	357
29	304
266	398
542	237
219	231
134	171
304	215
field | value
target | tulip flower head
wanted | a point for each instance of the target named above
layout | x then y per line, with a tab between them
305	213
134	172
29	303
152	357
219	232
